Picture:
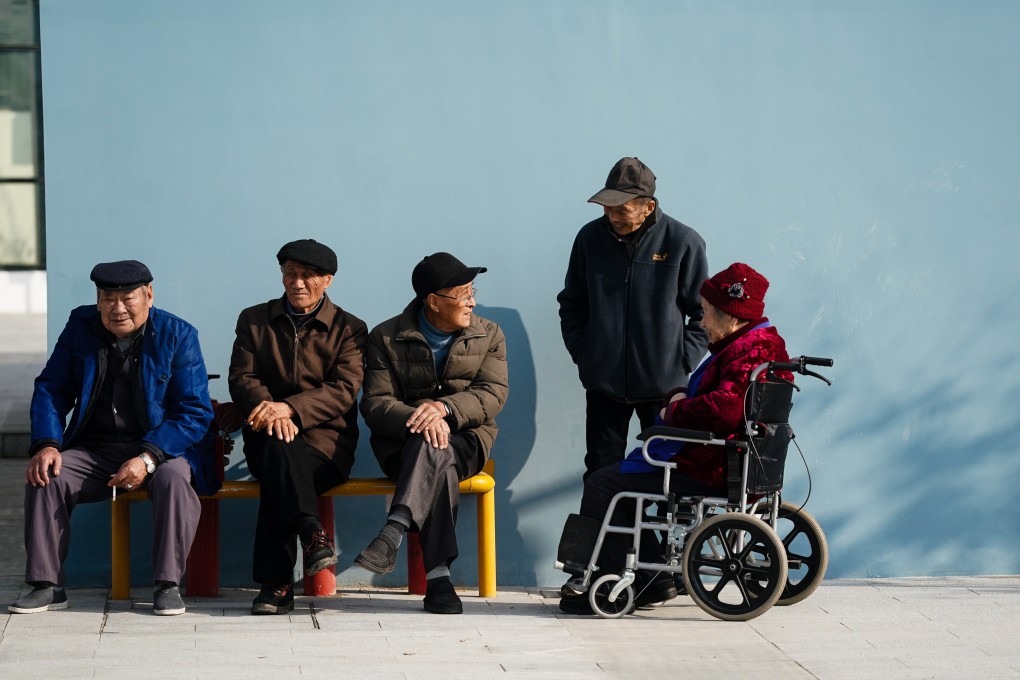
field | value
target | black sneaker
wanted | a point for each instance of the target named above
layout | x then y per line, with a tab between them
40	599
441	598
318	554
379	557
577	605
274	599
166	599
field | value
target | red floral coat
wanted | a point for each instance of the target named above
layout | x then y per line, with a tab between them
718	405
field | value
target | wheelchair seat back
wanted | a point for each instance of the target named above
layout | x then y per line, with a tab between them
768	406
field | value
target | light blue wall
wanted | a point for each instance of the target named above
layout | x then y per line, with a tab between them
861	155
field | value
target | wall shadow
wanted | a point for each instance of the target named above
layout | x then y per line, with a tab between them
517	433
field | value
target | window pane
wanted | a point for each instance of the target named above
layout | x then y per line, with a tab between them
19	243
17	22
17	98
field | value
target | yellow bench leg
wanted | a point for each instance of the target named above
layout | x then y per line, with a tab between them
487	544
120	517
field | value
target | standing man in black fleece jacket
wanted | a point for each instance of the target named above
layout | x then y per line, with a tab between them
630	311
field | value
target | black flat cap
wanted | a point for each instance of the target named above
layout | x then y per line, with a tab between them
310	253
441	270
120	275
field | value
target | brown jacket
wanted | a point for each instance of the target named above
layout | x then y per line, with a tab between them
317	370
401	374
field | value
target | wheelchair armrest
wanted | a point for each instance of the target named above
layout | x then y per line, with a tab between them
674	433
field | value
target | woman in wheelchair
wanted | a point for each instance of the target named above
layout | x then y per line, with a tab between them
740	338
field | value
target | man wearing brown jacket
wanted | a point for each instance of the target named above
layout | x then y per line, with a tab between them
436	377
295	370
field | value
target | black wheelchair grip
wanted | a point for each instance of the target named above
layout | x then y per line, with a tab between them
816	361
665	431
793	366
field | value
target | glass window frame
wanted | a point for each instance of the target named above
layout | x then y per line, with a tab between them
38	179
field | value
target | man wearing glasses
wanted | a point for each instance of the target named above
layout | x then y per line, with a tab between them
435	379
295	371
133	380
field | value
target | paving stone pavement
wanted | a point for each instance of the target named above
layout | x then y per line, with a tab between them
881	628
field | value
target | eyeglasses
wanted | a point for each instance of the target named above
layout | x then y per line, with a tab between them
463	299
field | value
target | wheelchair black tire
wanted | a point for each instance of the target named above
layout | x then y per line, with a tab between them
795	522
716	573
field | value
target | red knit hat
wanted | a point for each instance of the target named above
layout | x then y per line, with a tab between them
737	290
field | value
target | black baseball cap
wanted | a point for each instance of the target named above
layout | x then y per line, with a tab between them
441	270
629	179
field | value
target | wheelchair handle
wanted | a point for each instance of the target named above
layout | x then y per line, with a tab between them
795	365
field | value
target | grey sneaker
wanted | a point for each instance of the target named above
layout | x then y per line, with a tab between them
166	599
40	599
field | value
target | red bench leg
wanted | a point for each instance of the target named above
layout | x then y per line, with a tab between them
415	565
323	583
203	574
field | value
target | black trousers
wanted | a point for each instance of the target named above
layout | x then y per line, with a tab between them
291	476
428	485
599	490
607	424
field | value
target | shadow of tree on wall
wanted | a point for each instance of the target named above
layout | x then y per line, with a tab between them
922	478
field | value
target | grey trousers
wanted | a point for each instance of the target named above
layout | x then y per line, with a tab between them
428	485
83	477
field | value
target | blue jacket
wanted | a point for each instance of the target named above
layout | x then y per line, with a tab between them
174	383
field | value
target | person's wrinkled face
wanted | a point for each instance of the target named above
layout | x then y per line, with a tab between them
452	307
630	216
124	312
303	285
717	324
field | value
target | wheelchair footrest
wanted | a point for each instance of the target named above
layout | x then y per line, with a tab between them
578	541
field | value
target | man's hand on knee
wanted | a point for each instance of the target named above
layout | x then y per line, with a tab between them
437	434
131	474
426	414
263	416
283	429
38	472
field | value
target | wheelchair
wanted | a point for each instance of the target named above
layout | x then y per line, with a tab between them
737	556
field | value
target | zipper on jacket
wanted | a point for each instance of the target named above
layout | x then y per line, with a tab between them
293	365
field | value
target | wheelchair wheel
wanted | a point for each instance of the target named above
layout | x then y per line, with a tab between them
734	566
598	596
807	553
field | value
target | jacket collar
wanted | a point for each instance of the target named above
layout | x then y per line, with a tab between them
407	325
720	345
325	315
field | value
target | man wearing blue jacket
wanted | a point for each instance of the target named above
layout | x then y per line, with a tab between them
630	312
133	380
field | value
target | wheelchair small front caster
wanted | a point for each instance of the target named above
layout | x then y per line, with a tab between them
599	593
